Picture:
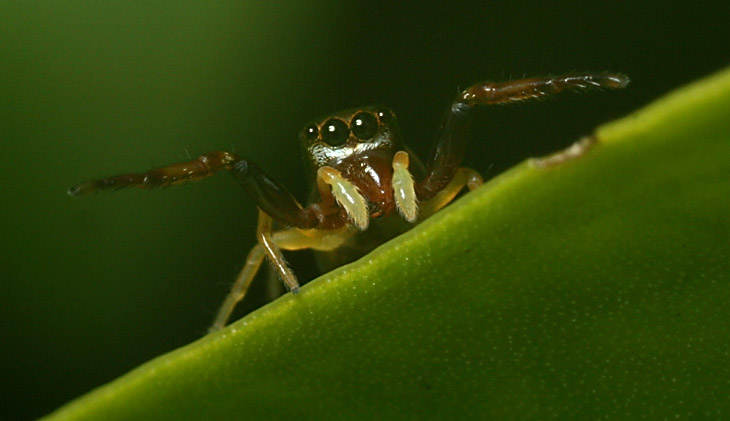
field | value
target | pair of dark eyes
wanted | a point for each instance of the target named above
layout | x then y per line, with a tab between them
335	132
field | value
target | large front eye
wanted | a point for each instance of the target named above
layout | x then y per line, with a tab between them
335	132
364	125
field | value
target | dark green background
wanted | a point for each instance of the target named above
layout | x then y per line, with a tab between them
92	287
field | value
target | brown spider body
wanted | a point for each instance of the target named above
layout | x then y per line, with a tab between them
363	157
362	171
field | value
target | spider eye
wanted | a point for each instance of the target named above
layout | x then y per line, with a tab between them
311	132
384	115
364	125
335	132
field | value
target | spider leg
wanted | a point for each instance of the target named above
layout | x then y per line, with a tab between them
201	167
240	287
269	195
265	247
274	203
270	245
454	130
463	177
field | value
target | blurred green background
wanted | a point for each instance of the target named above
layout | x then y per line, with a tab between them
94	286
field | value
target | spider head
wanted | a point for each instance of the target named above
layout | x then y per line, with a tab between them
348	134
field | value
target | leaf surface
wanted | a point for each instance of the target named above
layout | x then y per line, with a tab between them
596	287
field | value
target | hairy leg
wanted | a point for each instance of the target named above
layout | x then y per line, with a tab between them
451	140
270	196
270	245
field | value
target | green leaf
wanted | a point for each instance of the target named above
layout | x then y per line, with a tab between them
594	287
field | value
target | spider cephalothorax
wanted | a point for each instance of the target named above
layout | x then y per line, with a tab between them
361	171
333	138
355	154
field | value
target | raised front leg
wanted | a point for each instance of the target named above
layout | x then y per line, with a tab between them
454	130
269	195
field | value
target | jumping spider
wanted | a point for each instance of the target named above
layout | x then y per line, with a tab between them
362	171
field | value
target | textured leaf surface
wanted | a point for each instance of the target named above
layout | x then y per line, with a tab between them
596	287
